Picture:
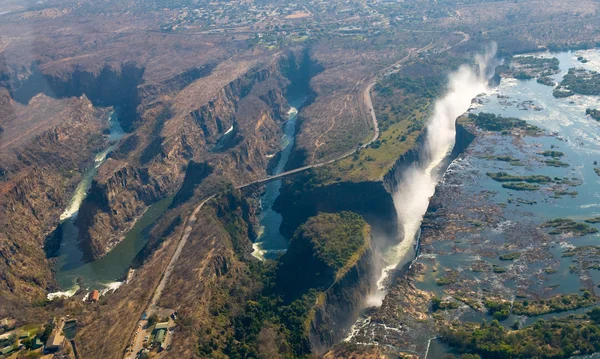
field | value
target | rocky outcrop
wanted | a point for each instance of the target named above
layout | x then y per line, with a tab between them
330	254
116	203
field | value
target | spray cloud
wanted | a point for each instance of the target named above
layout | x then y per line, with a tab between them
416	184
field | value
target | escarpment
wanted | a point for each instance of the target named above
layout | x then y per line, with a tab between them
341	304
110	85
330	254
302	197
44	149
233	131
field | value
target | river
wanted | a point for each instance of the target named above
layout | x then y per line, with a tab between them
479	220
104	273
270	242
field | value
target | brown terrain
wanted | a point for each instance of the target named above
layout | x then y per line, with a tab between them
64	65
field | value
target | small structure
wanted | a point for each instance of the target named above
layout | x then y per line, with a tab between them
94	296
54	343
56	340
159	333
6	350
163	325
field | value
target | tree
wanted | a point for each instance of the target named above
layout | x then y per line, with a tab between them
152	320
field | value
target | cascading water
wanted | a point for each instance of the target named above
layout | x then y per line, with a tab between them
417	183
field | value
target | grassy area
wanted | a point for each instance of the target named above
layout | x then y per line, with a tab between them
495	123
579	81
555	163
403	102
510	256
373	162
558	338
552	153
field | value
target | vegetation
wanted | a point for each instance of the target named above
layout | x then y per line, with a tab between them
529	67
559	303
438	304
499	310
403	101
498	269
593	113
565	225
559	338
329	244
335	237
593	220
443	281
597	170
513	161
505	177
580	81
555	163
520	186
496	123
545	80
510	256
552	153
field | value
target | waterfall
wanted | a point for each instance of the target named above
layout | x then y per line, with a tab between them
416	184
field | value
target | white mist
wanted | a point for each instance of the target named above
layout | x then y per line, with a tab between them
417	184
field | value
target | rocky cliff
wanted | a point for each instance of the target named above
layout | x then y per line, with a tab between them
341	304
330	254
110	85
233	132
44	149
300	199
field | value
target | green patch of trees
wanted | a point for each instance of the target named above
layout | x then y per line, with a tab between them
559	338
496	123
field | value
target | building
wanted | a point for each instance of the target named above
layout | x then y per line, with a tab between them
56	340
54	343
94	296
159	333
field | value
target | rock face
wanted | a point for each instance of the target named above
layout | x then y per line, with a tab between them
330	253
107	86
44	148
341	305
232	132
299	200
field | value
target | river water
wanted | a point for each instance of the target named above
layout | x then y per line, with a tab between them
104	273
270	242
568	130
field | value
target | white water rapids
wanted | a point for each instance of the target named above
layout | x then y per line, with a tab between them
417	183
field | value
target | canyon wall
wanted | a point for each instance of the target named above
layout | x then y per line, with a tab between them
39	169
341	304
152	166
